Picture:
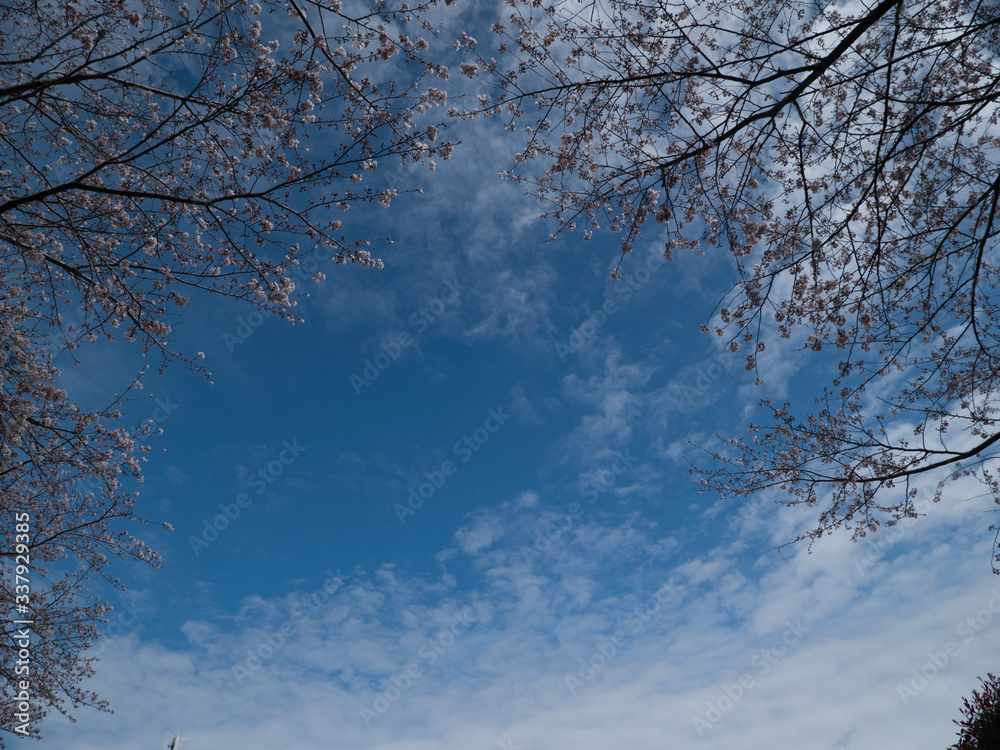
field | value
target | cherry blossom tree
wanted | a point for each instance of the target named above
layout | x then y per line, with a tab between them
150	151
847	155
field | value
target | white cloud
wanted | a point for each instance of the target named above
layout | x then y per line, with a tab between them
820	647
512	306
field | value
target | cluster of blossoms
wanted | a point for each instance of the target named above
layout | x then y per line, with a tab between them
846	156
151	151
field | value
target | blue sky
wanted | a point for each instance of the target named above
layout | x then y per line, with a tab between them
560	582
